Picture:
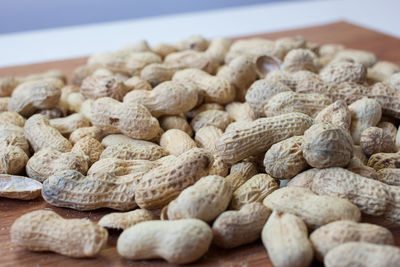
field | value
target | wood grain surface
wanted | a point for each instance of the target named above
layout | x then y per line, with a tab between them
384	46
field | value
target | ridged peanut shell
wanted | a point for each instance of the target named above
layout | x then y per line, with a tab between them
45	230
337	114
124	220
176	142
90	148
70	123
235	228
336	233
390	176
9	117
338	72
217	118
374	140
95	87
130	152
315	210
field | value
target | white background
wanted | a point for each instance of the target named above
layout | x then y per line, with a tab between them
68	42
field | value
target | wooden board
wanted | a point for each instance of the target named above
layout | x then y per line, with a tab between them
384	46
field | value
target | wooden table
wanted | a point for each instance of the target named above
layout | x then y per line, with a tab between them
384	46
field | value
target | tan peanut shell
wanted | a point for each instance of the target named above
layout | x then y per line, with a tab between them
9	117
336	233
48	161
40	134
163	49
215	89
338	72
380	161
203	107
53	113
219	167
12	135
337	114
8	84
70	123
257	136
4	103
355	165
374	140
290	79
287	102
285	158
32	96
217	118
285	237
353	55
124	61
365	113
89	148
131	151
371	196
235	228
133	120
207	136
160	72
240	111
390	176
175	122
382	71
240	173
190	59
12	159
176	142
119	139
95	87
91	131
137	83
179	242
313	209
193	42
73	190
301	59
168	98
44	230
162	184
260	92
218	48
124	220
253	190
205	200
388	129
362	254
19	187
326	145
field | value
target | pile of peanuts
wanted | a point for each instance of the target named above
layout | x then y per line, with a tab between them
202	142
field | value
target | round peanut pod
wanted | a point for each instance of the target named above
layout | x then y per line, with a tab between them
373	140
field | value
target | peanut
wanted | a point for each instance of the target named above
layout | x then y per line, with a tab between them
124	220
290	79
257	136
382	71
313	209
192	59
179	242
206	106
287	102
48	161
4	103
205	200
133	120
338	72
8	117
336	233
160	72
337	114
371	196
285	158
91	131
44	230
163	49
176	142
253	190
175	122
260	92
326	145
40	134
218	48
374	140
12	135
137	83
217	118
389	176
90	148
19	187
235	228
301	59
95	87
380	161
194	42
162	184
285	237
129	151
240	111
168	98
352	55
70	123
362	254
32	96
240	173
215	89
